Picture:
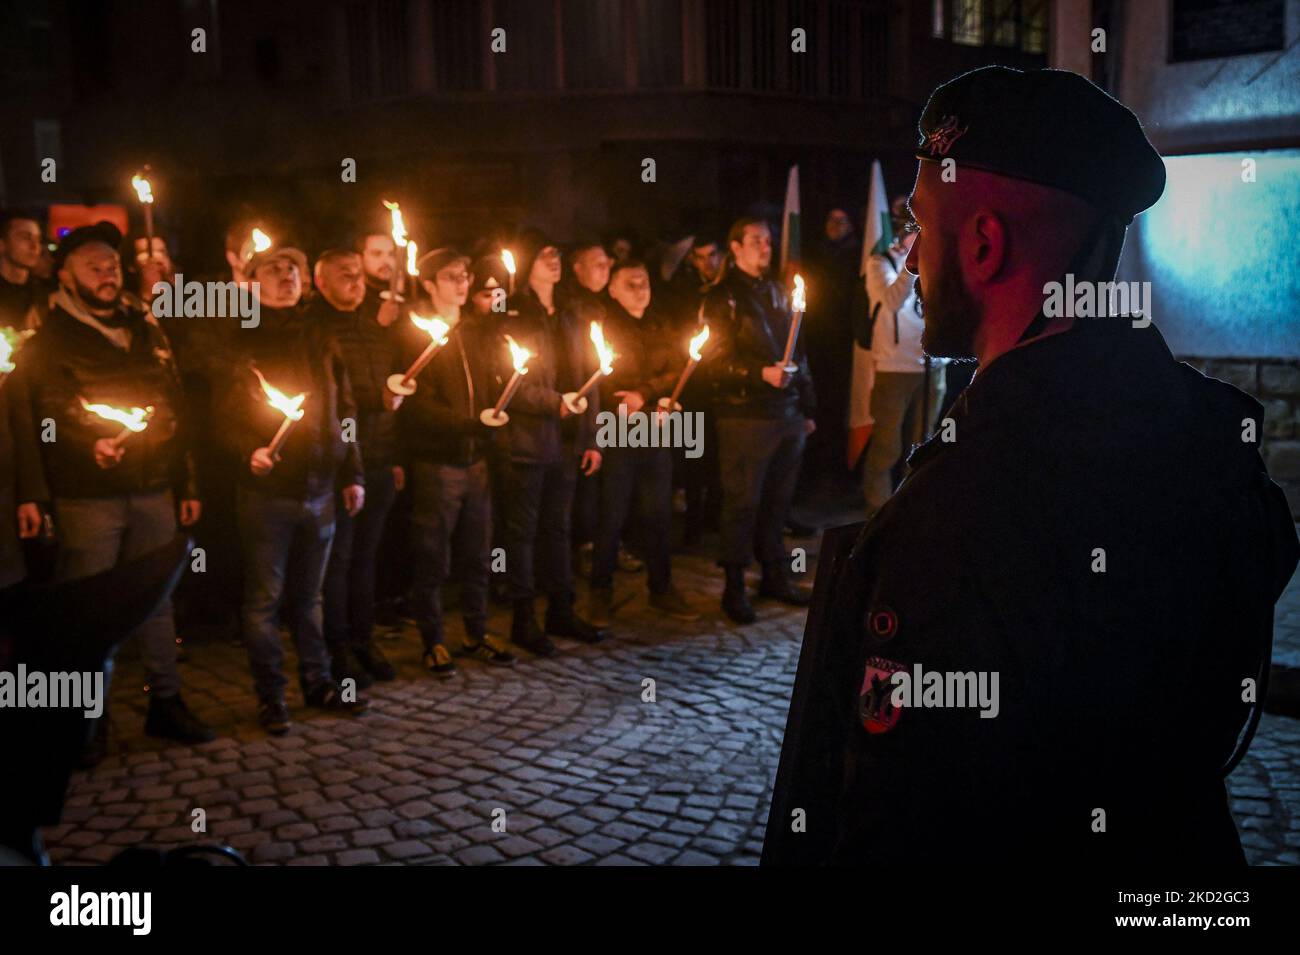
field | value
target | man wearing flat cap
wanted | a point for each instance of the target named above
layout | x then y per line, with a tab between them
1047	644
111	499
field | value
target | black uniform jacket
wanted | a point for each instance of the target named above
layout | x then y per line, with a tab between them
296	356
1095	526
749	321
67	360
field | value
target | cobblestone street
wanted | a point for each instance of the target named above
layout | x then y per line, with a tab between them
585	771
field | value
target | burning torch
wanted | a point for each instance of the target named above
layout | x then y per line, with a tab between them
508	260
797	305
438	331
133	421
291	408
9	342
696	343
399	242
496	416
144	192
576	401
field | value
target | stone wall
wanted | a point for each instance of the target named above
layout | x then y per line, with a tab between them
1276	383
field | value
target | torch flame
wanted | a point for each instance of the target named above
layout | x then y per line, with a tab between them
519	355
508	260
411	253
603	351
399	225
797	301
436	327
143	189
137	419
9	342
261	241
291	408
698	342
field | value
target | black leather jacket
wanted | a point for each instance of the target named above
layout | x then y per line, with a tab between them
440	422
535	434
749	320
649	356
295	355
67	360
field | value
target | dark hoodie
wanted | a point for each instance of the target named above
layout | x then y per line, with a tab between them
1093	528
295	355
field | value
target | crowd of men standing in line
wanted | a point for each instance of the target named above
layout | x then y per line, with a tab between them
307	522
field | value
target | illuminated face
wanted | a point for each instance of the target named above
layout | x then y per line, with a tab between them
342	282
450	285
161	258
631	289
95	274
546	267
753	253
379	258
951	315
281	282
21	245
591	268
707	260
838	225
482	301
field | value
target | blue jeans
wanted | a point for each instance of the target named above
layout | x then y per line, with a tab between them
349	596
95	534
286	545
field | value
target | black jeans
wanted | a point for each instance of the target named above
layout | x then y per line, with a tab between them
539	504
349	593
451	510
760	464
647	475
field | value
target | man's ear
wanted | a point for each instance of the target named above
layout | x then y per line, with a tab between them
988	245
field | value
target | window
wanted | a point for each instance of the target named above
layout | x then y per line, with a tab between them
722	41
936	19
1033	26
529	61
968	22
658	43
594	55
458	45
1004	22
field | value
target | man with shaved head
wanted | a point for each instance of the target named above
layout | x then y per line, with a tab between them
1039	643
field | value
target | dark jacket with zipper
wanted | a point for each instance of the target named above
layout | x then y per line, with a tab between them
749	321
370	352
296	355
648	357
440	423
563	357
12	568
67	360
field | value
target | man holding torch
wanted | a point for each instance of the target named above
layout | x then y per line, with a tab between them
764	402
449	445
649	365
547	444
294	459
112	489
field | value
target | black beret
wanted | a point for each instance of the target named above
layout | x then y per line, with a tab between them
102	231
1052	127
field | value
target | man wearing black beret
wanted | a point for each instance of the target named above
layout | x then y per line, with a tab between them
1047	643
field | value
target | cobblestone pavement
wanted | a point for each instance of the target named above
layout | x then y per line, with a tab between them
585	770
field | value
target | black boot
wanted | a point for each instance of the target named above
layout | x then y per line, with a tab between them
735	604
344	665
563	621
170	718
777	585
374	662
525	632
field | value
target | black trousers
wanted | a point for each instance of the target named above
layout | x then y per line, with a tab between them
760	464
349	592
646	475
452	513
539	507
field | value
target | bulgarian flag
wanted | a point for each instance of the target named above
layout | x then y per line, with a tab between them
877	236
790	222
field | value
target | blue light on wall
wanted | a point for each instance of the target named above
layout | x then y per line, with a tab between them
1223	255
